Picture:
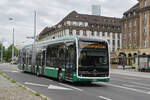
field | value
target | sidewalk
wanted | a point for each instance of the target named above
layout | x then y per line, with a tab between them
130	72
10	90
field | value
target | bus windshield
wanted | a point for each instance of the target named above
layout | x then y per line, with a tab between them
93	54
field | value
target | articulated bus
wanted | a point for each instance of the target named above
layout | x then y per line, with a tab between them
68	59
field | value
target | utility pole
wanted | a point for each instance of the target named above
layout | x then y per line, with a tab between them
34	46
12	41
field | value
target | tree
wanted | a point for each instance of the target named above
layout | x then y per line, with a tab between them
2	48
8	53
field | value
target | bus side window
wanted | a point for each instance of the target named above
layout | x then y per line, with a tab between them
61	58
71	56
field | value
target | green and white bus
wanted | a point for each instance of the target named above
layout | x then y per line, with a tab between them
68	59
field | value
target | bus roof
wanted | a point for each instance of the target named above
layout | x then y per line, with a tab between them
65	38
52	41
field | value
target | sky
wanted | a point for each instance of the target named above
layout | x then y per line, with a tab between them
49	13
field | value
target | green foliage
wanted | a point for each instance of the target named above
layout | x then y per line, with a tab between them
8	53
13	81
37	94
1	73
45	98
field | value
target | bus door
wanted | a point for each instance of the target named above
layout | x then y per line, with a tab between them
70	60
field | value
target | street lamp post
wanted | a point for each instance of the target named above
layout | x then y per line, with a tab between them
12	42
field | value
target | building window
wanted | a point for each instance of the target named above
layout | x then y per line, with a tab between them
113	49
98	34
145	3
108	41
145	18
135	23
92	33
135	36
103	34
84	33
118	43
134	13
114	36
77	32
130	36
145	33
125	25
118	36
71	23
129	24
77	23
113	43
70	32
125	36
83	24
108	34
145	43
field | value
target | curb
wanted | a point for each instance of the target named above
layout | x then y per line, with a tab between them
24	87
134	75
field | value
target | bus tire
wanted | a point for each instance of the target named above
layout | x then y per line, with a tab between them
60	75
37	72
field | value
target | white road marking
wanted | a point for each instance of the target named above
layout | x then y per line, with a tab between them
105	98
13	71
136	86
125	78
35	84
71	87
58	87
140	84
48	86
127	88
128	85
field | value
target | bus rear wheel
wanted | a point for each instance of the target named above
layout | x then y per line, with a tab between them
37	72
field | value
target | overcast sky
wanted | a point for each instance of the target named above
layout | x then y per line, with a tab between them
49	12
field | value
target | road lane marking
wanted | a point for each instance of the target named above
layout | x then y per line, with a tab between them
35	84
136	86
58	87
127	88
48	86
13	71
70	86
105	98
128	85
128	74
125	78
140	84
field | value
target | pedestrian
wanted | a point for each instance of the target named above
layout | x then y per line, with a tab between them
123	65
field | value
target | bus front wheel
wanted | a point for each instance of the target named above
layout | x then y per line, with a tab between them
37	72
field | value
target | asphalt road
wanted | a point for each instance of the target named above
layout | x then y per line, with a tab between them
119	88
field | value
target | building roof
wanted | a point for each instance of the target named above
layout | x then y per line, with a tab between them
134	8
92	19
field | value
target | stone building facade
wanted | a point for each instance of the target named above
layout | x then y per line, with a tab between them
83	25
136	31
136	28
